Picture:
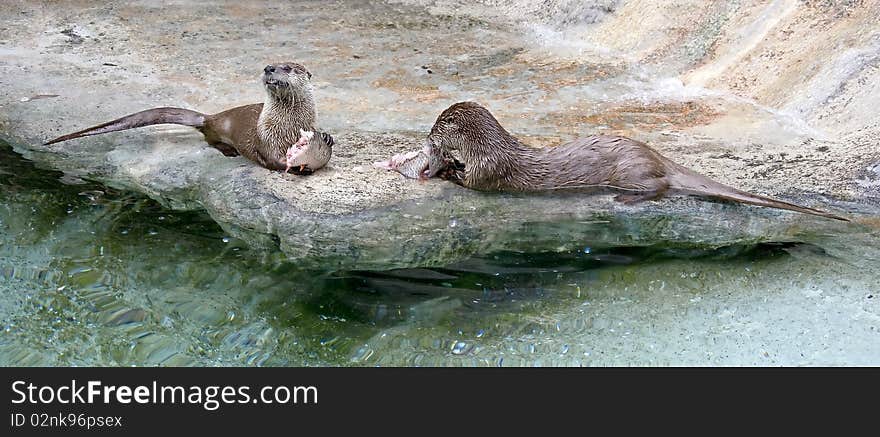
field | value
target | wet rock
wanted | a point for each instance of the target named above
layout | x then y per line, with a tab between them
379	220
73	37
349	214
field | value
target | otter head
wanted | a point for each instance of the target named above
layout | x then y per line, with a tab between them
286	80
469	128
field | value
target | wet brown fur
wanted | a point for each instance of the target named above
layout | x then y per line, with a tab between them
496	161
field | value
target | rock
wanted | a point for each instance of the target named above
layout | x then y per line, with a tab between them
379	220
347	215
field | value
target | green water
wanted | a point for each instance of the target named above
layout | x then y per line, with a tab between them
94	276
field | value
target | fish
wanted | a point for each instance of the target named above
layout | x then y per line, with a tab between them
414	165
422	165
310	153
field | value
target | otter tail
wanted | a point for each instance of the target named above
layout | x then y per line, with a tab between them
691	182
149	117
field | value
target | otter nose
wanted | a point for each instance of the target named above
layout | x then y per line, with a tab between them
269	69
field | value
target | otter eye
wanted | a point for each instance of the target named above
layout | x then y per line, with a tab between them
286	68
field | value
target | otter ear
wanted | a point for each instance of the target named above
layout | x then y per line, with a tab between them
309	74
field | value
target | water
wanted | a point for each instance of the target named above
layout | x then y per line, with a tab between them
94	276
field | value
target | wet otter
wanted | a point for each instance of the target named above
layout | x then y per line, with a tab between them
496	161
262	132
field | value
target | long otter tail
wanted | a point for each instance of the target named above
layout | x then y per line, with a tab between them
690	182
149	117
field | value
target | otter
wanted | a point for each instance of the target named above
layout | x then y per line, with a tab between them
495	160
272	134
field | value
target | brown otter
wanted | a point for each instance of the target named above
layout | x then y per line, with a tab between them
496	161
262	132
